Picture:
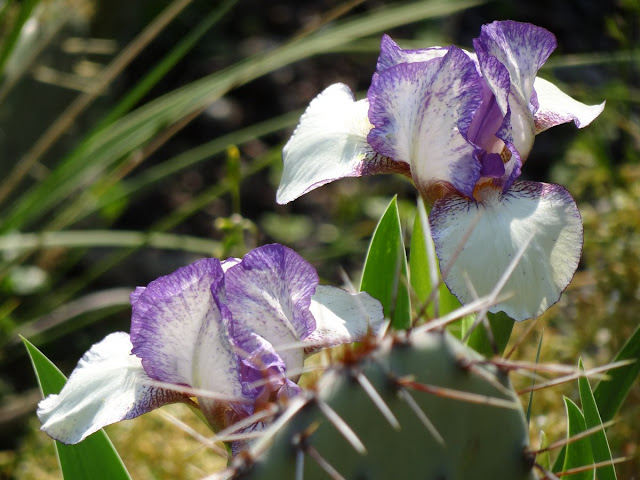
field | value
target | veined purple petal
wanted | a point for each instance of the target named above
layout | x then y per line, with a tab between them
521	47
342	317
503	125
181	333
269	293
503	222
556	107
108	385
329	143
391	54
264	372
421	113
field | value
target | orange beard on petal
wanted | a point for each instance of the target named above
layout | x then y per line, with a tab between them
433	191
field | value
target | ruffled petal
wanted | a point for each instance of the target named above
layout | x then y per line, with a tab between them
521	47
342	317
269	293
329	143
421	113
391	54
556	107
264	372
180	330
108	385
504	223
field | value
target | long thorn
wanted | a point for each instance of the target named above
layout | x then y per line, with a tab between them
326	466
593	466
342	426
294	406
244	423
488	377
569	378
459	395
377	400
415	408
530	326
548	475
456	314
193	433
574	438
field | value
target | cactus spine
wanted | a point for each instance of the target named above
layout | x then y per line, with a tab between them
409	406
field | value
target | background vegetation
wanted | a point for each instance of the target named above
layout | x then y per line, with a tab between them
138	136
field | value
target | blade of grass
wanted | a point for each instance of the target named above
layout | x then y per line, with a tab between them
544	458
578	453
133	131
89	203
11	39
599	443
610	394
66	291
164	66
95	458
67	118
16	242
533	382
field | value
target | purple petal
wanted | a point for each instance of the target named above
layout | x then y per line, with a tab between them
330	143
269	293
521	47
421	113
108	385
556	107
342	317
503	125
391	54
180	330
503	222
264	372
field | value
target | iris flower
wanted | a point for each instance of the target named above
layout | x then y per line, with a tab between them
460	125
232	334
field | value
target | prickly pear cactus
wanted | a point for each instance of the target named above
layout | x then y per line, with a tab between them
421	406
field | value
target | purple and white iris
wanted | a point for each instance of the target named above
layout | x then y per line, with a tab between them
232	334
461	126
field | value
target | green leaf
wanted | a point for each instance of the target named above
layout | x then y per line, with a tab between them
557	465
11	39
543	458
599	443
533	382
578	453
501	327
609	394
384	275
95	457
420	273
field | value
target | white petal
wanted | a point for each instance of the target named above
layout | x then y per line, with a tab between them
556	107
329	143
504	223
342	317
108	385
